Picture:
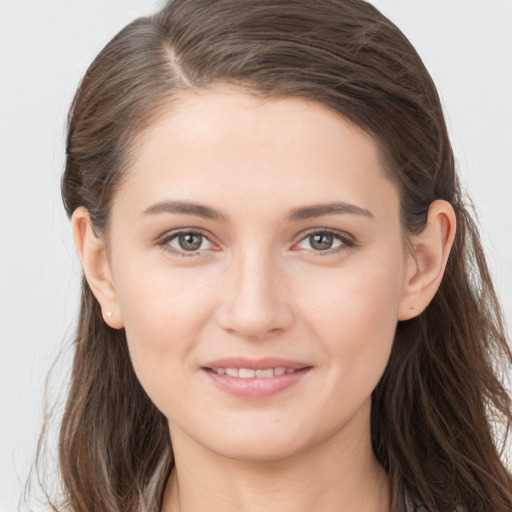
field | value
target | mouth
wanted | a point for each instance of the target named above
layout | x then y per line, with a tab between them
249	373
255	378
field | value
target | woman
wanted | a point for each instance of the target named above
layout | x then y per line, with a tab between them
285	303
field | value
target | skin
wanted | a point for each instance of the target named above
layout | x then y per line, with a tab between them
258	287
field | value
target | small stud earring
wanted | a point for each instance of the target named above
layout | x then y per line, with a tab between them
109	313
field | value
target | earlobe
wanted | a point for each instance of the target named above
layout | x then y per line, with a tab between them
93	256
427	260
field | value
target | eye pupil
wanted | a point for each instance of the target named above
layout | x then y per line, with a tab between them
321	241
190	241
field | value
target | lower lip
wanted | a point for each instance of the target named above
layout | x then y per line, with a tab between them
257	387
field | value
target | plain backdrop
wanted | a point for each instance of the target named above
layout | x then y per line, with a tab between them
46	46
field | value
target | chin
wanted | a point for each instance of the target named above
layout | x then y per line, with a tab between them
265	443
262	450
272	436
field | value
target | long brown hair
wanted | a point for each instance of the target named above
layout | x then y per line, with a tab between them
436	409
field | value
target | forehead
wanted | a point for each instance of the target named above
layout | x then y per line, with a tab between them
223	145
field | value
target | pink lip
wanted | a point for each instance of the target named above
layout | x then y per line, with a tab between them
257	387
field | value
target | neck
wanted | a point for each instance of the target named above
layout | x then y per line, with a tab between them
339	475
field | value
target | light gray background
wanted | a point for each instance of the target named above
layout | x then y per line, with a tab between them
45	47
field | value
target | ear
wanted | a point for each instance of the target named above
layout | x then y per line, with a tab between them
93	255
427	260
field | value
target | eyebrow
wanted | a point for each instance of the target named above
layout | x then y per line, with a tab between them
309	212
297	214
185	207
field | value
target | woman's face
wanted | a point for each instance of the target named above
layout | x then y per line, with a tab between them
257	259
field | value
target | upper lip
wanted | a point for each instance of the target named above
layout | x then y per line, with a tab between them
256	364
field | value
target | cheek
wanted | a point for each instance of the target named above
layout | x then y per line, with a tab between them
355	299
160	303
354	314
164	311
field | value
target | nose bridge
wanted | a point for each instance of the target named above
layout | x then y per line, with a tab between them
255	302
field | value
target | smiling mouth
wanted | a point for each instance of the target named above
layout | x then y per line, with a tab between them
255	379
249	373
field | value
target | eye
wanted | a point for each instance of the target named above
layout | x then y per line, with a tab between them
324	241
187	242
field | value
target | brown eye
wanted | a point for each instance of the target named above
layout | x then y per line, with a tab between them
321	241
324	241
189	241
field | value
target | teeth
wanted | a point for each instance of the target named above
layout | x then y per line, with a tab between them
248	373
264	373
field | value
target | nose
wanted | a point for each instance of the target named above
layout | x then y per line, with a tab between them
256	301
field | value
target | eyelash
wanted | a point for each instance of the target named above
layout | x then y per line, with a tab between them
346	240
165	241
